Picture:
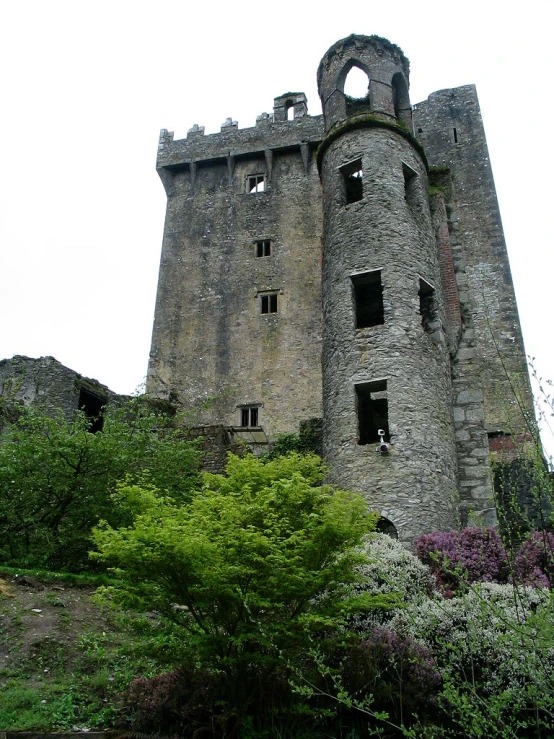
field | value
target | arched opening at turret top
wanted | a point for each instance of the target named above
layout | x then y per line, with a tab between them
401	99
354	82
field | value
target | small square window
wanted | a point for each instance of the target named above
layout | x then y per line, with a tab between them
255	183
268	303
353	176
263	248
249	416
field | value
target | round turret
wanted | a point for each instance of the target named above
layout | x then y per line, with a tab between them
388	430
388	73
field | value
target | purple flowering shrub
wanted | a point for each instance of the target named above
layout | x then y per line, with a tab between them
534	563
478	555
470	555
172	702
397	673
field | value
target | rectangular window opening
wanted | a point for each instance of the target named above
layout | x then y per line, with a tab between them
92	406
263	248
255	183
268	303
410	185
353	178
455	135
249	416
373	411
428	307
368	299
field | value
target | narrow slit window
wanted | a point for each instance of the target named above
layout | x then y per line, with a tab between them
263	248
268	303
256	183
455	132
368	299
410	185
428	307
353	178
373	411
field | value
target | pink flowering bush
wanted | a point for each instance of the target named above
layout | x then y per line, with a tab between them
534	563
470	555
395	672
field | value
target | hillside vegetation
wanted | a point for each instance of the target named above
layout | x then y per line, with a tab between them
255	604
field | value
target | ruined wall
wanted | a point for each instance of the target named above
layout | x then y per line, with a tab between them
210	338
49	385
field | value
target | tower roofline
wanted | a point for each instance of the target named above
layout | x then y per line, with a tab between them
360	41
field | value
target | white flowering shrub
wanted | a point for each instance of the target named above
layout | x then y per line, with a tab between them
499	636
391	568
393	577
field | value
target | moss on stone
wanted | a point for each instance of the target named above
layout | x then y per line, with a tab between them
367	120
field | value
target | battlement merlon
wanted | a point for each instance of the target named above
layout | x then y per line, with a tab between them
267	134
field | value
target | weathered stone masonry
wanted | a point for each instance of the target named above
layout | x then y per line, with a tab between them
349	266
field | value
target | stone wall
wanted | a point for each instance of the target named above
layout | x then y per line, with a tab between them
211	341
450	127
49	385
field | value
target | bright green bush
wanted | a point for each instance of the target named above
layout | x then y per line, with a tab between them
253	569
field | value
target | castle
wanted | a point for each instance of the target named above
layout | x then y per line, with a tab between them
350	267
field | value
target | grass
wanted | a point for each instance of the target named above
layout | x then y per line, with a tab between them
69	663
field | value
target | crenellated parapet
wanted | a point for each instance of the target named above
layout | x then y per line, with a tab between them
275	133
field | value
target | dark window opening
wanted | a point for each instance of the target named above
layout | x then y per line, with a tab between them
428	307
352	174
256	183
263	248
384	526
373	411
420	130
92	406
268	303
410	185
368	299
401	100
455	135
249	417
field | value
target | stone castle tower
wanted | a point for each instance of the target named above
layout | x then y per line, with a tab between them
349	267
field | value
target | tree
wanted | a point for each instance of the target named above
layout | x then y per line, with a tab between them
56	477
257	563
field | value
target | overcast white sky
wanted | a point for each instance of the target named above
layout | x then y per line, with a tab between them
87	86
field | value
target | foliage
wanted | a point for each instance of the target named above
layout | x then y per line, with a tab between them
251	569
458	558
494	649
57	477
467	556
534	563
307	441
396	673
67	665
391	568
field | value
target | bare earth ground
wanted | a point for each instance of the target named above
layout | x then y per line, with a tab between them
54	615
65	660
